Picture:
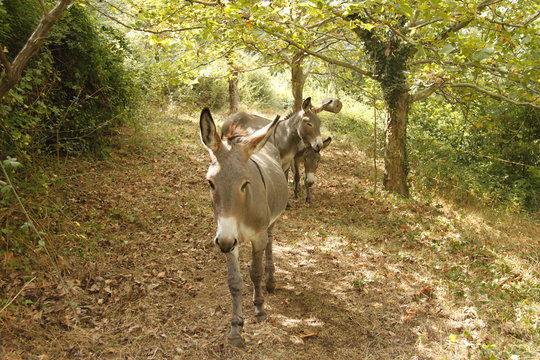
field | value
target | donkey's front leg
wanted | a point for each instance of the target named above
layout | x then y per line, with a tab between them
256	273
308	193
234	279
296	175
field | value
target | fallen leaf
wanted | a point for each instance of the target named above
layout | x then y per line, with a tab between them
307	333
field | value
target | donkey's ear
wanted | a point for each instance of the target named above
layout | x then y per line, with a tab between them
258	139
326	142
209	135
306	105
325	104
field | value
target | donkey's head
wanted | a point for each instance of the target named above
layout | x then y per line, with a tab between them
309	126
311	162
228	176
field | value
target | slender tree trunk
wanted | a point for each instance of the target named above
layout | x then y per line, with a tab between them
234	95
12	72
395	154
298	79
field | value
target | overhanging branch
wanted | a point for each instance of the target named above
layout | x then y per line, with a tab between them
157	32
13	72
422	94
493	94
321	56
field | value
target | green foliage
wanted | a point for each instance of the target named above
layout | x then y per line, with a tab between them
478	148
256	90
72	93
17	22
211	92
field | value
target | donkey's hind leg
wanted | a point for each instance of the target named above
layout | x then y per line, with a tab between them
270	268
256	274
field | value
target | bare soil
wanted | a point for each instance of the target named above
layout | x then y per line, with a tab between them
360	274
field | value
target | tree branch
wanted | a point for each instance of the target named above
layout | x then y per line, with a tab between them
421	95
8	79
207	3
493	94
461	24
321	56
157	32
425	23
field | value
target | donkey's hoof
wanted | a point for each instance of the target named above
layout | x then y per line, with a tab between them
271	286
236	341
259	318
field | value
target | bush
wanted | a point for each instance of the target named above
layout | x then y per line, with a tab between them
256	90
483	153
72	93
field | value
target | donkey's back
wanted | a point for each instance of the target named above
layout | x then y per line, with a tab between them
247	122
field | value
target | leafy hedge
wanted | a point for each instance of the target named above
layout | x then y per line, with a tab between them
72	93
483	148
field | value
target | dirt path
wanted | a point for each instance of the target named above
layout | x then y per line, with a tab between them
147	283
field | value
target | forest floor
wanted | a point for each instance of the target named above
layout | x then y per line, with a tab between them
360	274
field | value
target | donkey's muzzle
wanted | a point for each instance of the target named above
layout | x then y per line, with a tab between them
226	245
317	145
310	179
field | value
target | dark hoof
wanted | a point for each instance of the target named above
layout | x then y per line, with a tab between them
288	206
271	286
237	341
259	318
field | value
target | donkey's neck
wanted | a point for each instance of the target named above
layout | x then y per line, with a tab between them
287	140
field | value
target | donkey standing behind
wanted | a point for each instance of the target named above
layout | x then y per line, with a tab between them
298	130
310	159
249	193
298	138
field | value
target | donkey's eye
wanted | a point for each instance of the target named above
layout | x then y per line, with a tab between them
309	124
244	186
212	186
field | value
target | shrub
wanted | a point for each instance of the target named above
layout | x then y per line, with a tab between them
72	93
256	90
481	152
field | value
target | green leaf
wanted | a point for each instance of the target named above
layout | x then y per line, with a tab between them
447	49
26	227
483	54
11	162
6	189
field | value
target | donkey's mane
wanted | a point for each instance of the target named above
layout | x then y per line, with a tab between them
289	115
236	133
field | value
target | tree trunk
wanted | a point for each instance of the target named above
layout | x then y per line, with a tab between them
297	80
234	96
395	154
12	72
